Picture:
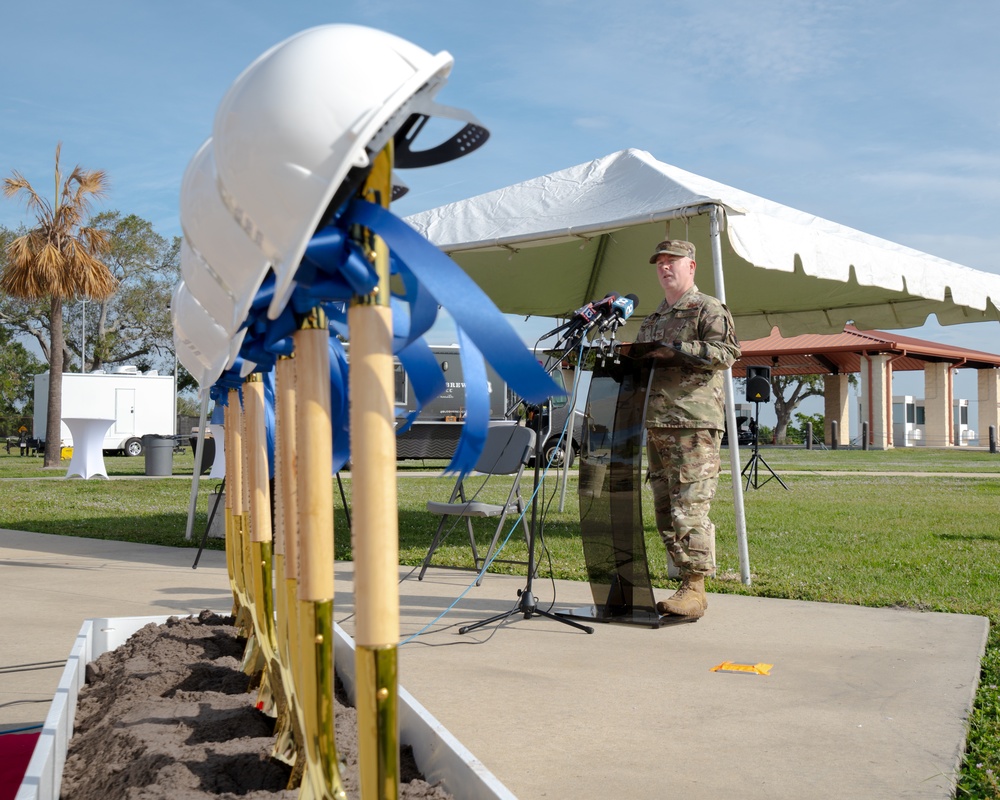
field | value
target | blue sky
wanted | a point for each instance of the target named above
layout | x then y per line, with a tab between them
883	116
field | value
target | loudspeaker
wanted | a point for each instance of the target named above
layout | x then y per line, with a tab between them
758	384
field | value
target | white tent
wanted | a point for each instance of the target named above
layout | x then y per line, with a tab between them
552	244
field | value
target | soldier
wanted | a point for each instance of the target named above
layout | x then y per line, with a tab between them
693	342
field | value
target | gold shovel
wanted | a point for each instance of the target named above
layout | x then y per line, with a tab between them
262	548
289	743
314	683
374	533
253	659
231	546
234	508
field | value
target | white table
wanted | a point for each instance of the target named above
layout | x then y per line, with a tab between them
219	464
88	446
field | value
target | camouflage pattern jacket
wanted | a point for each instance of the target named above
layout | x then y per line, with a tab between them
687	391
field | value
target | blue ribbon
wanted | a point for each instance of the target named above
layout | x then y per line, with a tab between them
231	379
483	331
334	269
269	398
339	409
462	298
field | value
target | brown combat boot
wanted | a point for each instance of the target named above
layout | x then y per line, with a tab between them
688	601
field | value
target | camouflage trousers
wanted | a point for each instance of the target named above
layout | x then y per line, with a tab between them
684	473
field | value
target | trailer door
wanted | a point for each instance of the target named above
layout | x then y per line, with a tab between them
125	411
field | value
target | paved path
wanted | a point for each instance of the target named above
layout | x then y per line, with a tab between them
860	702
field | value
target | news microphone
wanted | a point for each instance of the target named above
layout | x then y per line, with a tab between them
586	314
621	309
586	317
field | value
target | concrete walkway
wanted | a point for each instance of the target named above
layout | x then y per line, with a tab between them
859	703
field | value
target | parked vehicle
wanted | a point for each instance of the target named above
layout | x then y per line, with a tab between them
139	403
745	437
435	433
553	423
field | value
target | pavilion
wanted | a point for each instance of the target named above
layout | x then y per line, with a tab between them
875	356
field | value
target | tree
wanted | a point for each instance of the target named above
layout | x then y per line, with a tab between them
788	391
801	432
18	368
57	260
28	318
134	325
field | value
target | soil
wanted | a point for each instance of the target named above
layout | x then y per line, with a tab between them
169	714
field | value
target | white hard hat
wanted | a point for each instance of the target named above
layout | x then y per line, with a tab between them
296	122
220	265
202	346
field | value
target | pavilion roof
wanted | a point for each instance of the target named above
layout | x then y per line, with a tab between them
840	353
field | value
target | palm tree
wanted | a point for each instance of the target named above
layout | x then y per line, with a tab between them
59	259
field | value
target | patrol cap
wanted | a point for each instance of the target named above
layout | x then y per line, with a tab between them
674	247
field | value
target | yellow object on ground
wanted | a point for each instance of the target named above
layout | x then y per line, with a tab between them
729	666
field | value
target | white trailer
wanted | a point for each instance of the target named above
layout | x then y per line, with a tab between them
140	404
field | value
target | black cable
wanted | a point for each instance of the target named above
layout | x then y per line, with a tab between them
488	476
437	630
23	702
208	525
546	550
497	627
565	436
31	667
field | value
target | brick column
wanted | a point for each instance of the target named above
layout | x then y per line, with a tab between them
876	400
937	405
988	382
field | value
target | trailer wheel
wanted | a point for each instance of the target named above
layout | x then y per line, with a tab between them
133	447
553	453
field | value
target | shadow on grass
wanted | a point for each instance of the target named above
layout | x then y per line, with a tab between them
964	537
164	529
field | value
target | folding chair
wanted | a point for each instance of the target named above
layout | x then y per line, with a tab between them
508	448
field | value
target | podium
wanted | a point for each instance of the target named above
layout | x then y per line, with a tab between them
610	489
88	446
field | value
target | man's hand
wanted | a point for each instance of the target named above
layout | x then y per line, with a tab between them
662	352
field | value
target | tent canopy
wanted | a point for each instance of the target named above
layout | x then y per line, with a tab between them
550	245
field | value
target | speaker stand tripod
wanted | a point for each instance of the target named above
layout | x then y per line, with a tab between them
527	603
751	470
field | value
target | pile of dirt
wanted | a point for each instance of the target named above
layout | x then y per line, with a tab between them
168	715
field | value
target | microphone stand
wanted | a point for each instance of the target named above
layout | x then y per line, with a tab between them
527	603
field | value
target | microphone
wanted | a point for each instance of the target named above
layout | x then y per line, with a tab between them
586	317
621	309
578	318
586	314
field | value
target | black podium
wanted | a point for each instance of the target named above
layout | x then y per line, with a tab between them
610	464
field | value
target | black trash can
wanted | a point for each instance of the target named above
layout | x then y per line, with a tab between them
159	451
208	456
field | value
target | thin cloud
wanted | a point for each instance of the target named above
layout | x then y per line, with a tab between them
948	184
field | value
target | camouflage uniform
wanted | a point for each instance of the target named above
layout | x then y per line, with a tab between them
685	418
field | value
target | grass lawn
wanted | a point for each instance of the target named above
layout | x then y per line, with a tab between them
929	542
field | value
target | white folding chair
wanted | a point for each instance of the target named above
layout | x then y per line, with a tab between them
508	448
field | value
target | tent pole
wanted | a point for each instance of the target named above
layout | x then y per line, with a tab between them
193	504
734	443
